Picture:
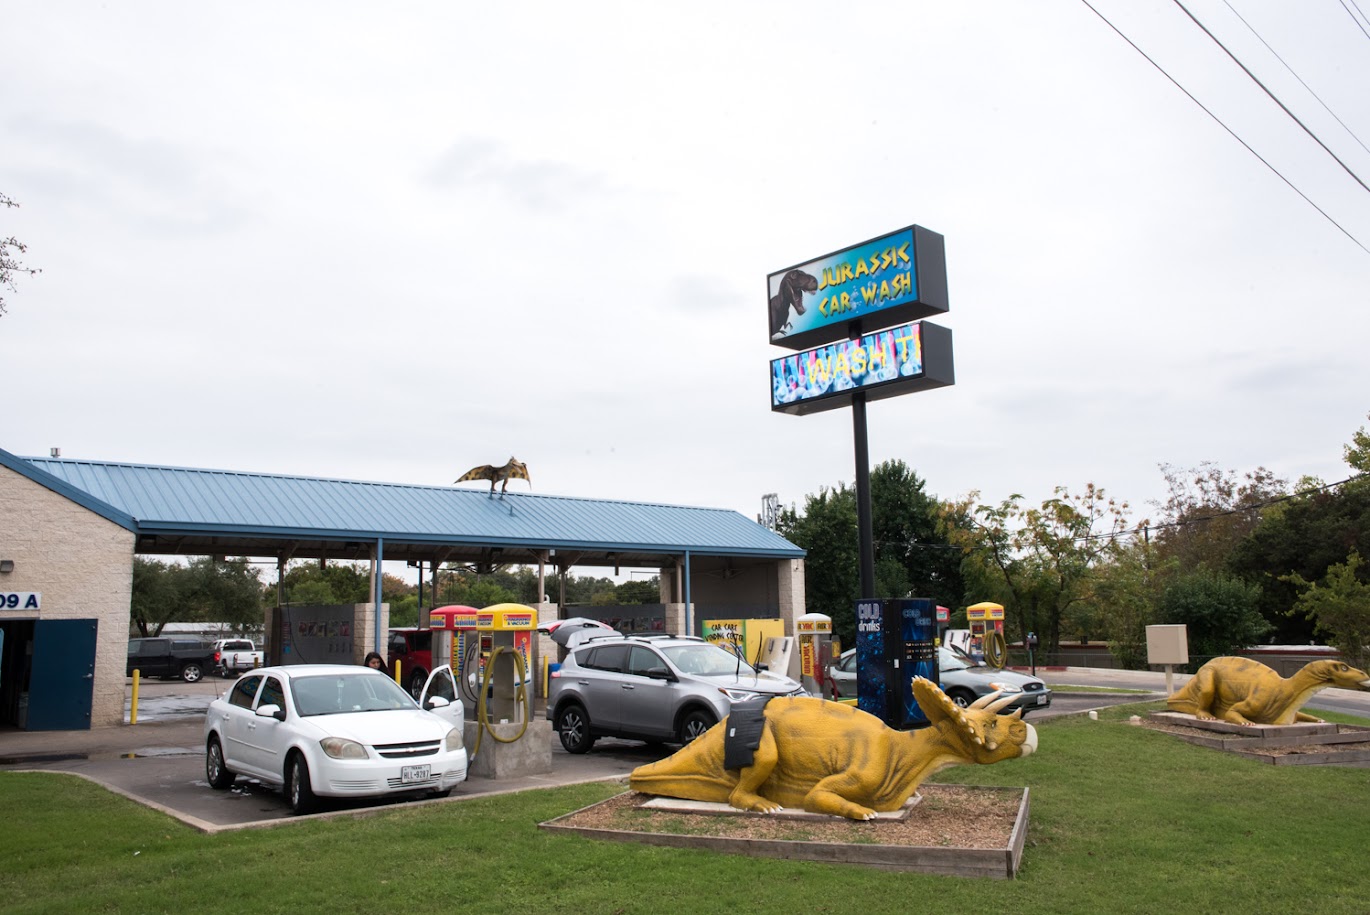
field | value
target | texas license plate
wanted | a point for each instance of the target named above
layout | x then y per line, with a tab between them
411	774
1041	700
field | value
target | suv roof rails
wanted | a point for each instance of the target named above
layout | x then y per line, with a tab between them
599	638
637	637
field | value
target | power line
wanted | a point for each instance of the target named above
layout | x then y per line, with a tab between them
1353	16
1296	75
1224	126
1283	107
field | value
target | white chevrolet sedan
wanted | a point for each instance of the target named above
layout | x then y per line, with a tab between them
329	730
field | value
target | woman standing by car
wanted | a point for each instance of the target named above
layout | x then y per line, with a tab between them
375	661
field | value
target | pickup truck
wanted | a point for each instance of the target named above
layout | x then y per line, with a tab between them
413	648
189	659
233	656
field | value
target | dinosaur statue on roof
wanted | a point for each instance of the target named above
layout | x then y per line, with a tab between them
826	757
1242	691
513	470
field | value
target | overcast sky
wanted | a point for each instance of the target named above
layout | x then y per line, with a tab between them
393	241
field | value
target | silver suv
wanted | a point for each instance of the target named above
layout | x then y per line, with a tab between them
654	688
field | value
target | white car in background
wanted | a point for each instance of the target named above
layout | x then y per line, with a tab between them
331	730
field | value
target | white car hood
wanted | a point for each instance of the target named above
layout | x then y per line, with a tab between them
394	726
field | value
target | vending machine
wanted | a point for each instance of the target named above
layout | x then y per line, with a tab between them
815	637
896	640
454	643
985	619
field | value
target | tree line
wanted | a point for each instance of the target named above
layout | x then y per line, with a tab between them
1239	559
233	591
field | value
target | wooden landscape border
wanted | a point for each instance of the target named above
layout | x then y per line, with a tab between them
1000	863
1258	740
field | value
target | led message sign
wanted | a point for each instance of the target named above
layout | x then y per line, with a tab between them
912	357
888	280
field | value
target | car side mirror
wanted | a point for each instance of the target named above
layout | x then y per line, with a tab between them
271	711
660	673
437	702
762	666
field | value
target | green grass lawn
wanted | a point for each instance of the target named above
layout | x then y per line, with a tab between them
1124	819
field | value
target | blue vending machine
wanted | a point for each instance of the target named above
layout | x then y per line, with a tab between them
896	640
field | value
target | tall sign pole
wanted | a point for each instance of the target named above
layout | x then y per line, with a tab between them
863	495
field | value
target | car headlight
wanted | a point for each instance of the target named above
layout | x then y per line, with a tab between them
740	695
455	740
1005	688
342	748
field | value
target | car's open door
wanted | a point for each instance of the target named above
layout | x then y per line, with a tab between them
439	696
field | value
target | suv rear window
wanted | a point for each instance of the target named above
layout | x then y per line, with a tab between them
605	657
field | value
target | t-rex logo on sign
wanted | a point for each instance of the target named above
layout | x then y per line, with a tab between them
791	295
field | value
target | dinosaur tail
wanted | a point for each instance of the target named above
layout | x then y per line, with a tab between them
694	772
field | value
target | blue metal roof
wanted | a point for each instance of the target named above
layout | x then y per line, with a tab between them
194	504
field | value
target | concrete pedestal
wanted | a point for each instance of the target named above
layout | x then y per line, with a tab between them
531	754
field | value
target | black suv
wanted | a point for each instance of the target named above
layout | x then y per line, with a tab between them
654	688
189	659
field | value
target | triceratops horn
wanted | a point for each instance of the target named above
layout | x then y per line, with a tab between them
993	702
985	700
997	704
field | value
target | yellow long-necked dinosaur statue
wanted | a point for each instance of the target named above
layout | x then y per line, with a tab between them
826	757
1243	691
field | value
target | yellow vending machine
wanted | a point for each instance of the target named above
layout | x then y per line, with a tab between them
986	620
506	652
504	706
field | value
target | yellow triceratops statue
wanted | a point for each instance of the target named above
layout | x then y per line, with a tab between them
826	757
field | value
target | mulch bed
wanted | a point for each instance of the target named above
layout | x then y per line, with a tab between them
948	816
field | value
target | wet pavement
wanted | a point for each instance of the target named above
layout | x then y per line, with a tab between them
159	761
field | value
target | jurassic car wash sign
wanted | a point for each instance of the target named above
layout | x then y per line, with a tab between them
857	310
889	280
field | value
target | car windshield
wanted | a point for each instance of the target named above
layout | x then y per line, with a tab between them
950	660
336	694
707	660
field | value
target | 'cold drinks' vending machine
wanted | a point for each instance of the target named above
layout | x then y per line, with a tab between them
896	640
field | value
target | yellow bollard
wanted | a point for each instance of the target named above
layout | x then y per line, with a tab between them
397	672
133	710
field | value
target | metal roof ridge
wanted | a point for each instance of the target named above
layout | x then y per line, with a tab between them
39	461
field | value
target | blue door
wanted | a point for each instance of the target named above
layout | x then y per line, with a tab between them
63	675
